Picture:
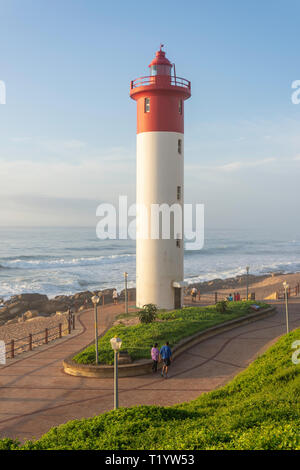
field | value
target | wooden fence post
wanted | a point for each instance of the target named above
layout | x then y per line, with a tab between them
73	318
30	341
69	325
46	335
12	348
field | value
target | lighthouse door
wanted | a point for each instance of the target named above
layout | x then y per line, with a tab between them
177	297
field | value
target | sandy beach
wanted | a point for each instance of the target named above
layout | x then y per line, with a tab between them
19	332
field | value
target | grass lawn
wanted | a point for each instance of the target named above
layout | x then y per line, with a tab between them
171	326
259	409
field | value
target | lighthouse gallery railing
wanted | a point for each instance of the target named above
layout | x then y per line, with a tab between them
154	79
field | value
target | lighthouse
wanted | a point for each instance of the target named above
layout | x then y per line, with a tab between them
160	100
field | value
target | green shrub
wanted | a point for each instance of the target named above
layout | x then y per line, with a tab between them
171	326
148	314
221	306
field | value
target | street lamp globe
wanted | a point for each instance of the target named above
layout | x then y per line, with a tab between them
95	299
116	343
285	285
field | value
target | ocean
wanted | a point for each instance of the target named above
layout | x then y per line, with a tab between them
57	261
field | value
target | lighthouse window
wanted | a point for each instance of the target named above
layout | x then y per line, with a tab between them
153	70
147	105
178	193
179	146
180	106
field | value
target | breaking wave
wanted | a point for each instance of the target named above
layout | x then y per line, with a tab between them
43	263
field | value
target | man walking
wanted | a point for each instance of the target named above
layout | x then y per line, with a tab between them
166	356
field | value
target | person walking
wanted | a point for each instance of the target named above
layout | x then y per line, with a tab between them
166	356
155	357
115	296
194	294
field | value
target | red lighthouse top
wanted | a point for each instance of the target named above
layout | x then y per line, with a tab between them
160	97
160	58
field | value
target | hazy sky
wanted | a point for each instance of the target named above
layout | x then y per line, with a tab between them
67	131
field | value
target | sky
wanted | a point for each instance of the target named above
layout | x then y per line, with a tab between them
68	128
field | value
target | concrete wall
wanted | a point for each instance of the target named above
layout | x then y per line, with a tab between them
159	173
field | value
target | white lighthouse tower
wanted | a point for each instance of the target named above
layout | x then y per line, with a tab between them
160	174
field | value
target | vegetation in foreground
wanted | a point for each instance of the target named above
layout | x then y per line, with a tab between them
170	326
259	409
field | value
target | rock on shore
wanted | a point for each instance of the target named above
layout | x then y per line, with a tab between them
26	306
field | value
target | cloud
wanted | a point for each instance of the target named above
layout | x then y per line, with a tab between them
49	147
232	166
73	144
21	140
87	178
239	165
39	210
62	193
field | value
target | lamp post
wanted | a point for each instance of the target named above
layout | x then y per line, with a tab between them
286	286
126	297
116	344
96	300
247	269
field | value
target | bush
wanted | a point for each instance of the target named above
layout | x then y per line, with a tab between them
172	326
148	314
221	307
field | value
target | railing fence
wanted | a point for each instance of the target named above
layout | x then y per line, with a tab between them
216	296
32	340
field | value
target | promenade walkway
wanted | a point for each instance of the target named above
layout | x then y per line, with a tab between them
36	394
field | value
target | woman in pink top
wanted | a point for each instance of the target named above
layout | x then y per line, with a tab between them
154	356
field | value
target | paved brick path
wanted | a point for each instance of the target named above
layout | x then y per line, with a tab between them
35	394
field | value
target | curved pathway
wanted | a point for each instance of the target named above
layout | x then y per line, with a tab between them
35	393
